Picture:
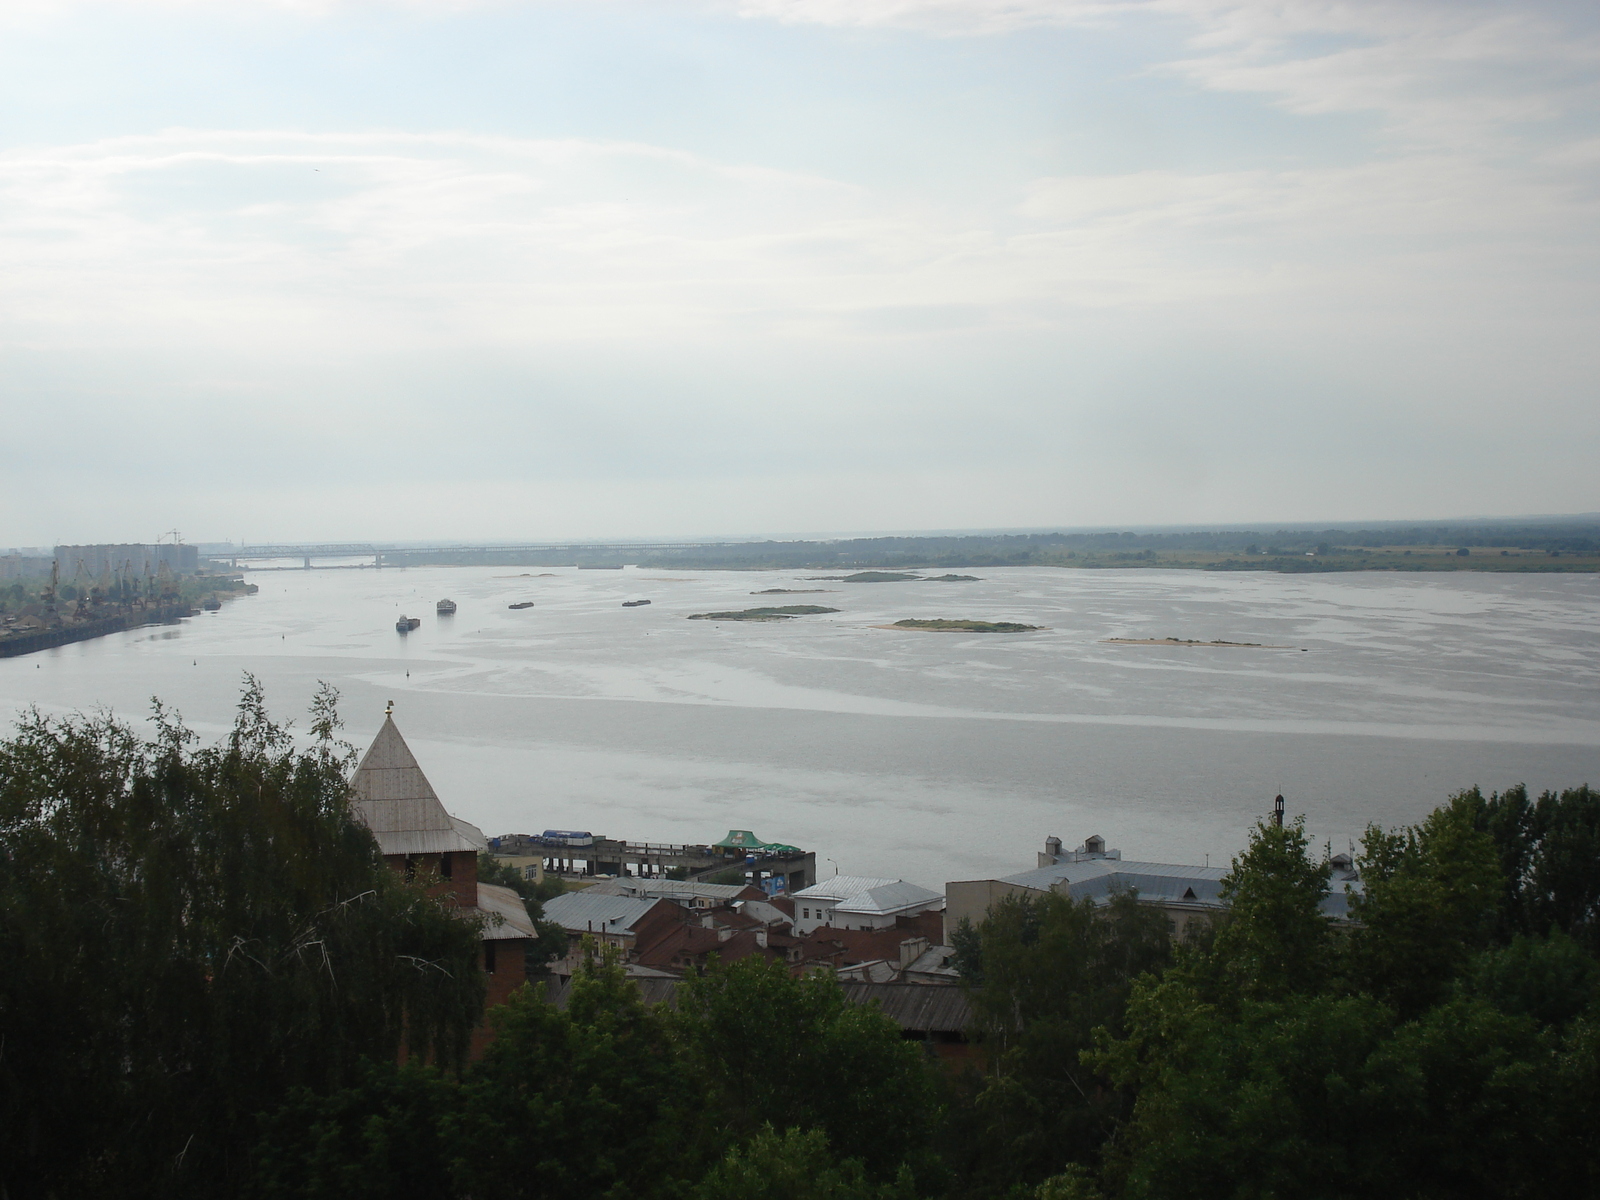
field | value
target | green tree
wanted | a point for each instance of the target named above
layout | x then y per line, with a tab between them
1550	979
1549	853
1431	899
1054	970
768	1049
382	1136
796	1165
583	1101
186	935
1275	939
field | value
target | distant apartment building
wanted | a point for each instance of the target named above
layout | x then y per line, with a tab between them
16	567
91	562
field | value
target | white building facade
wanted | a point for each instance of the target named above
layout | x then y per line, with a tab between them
860	902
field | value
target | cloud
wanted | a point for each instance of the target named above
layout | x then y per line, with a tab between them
1429	67
237	237
952	17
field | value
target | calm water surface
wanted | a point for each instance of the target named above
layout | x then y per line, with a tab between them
933	756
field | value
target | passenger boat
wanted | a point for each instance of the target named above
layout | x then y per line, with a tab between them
445	608
521	604
633	603
407	624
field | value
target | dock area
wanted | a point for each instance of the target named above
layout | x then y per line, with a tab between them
774	867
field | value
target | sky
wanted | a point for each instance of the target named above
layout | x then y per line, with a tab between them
305	270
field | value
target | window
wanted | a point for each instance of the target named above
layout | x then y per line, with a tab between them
806	913
411	868
444	865
488	958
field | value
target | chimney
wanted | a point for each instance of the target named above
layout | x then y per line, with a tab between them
912	949
761	938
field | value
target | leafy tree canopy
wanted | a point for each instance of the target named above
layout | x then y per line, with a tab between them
187	935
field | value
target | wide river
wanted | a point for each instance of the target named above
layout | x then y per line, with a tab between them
933	756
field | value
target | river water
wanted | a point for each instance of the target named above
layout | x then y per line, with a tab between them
933	756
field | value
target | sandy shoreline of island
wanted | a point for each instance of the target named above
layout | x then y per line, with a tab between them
1183	642
924	629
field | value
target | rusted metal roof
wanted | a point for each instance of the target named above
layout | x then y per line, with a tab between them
923	1007
914	1007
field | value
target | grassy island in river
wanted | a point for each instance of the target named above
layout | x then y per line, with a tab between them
764	614
1173	641
942	625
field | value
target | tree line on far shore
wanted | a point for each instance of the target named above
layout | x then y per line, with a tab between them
207	975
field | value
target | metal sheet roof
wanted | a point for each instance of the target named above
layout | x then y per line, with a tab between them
1170	883
395	800
841	887
508	906
931	1008
890	898
580	912
671	889
654	988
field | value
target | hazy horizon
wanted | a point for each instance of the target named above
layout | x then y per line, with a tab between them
1265	525
312	270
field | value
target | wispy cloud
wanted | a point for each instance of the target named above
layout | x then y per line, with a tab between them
1430	66
620	301
503	240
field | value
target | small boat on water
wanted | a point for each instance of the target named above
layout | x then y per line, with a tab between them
211	604
633	603
407	624
521	604
445	608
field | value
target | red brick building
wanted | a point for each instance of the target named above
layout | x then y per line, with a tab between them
420	838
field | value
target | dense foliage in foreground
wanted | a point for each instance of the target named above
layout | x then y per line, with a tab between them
206	975
189	934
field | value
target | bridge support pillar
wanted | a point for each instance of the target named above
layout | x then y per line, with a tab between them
377	561
308	562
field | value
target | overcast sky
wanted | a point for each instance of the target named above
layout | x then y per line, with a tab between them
304	270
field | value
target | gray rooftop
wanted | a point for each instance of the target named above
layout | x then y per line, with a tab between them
581	912
918	1006
841	887
504	903
671	889
888	898
1166	883
394	799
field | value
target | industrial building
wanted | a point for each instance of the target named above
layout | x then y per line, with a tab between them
1183	892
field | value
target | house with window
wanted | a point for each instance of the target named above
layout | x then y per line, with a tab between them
860	902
